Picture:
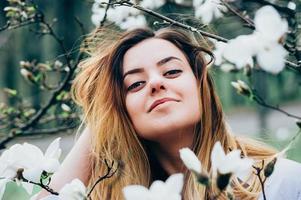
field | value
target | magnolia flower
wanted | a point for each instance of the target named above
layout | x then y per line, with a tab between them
291	5
269	23
159	190
190	160
271	57
269	28
152	4
197	3
230	163
208	11
263	43
98	12
218	52
239	51
120	13
133	22
29	161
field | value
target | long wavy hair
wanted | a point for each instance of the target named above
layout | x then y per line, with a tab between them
98	89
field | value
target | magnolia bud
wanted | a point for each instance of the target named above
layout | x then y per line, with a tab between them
58	64
242	88
27	75
223	180
65	107
291	5
268	170
203	179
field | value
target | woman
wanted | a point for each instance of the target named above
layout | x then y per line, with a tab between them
144	96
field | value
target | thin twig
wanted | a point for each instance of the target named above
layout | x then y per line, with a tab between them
45	187
261	102
258	171
169	20
249	22
109	174
105	15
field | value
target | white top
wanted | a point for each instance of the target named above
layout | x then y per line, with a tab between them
285	181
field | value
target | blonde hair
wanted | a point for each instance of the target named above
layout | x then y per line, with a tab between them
99	90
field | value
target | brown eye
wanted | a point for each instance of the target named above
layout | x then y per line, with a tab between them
135	85
173	73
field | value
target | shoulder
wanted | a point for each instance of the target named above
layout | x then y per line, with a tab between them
285	182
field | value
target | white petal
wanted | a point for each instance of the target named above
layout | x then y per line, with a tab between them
197	3
158	187
3	183
230	162
175	183
205	12
53	150
31	155
269	23
28	187
272	58
96	19
218	52
217	156
244	169
50	165
133	22
135	192
33	174
75	190
240	50
152	4
190	160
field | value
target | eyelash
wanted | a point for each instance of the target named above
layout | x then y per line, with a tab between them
170	73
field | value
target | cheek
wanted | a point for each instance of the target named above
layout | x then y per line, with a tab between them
134	106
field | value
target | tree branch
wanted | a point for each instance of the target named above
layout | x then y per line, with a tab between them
109	174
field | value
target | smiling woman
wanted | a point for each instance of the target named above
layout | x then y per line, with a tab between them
144	96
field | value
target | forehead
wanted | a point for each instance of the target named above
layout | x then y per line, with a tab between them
150	51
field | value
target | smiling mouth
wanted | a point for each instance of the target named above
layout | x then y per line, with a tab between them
161	101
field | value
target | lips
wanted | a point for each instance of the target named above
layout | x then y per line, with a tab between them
160	101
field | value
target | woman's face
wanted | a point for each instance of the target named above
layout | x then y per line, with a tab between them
161	89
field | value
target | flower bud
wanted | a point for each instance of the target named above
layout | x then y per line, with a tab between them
242	88
291	5
27	75
65	107
203	179
58	64
268	170
223	180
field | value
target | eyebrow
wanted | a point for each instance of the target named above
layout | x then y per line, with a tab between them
159	63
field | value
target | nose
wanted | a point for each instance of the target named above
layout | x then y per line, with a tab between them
156	85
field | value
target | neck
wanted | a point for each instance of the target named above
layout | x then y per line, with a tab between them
166	150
